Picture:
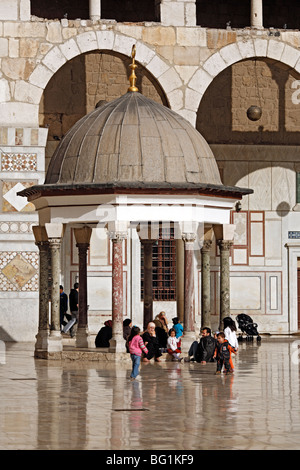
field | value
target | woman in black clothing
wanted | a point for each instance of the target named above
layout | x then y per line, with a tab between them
104	335
151	342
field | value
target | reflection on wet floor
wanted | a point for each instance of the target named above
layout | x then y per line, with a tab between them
173	406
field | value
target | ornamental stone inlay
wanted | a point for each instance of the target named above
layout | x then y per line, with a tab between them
18	162
18	271
16	227
11	202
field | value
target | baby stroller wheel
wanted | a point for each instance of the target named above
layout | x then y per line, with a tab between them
258	338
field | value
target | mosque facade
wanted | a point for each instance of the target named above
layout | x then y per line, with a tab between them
231	70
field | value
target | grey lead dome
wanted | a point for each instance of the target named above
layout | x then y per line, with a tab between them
133	139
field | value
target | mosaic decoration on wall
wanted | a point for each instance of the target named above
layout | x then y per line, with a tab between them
19	162
11	202
19	271
16	227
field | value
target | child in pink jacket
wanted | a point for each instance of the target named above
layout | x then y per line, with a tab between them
136	347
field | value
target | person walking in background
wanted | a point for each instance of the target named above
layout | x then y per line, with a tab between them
136	346
63	307
73	299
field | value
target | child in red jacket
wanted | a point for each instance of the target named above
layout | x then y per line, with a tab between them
223	354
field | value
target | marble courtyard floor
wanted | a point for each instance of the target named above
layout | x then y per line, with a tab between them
52	405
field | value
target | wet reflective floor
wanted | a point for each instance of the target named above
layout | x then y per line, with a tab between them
85	406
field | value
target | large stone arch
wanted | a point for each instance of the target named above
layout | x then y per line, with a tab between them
87	80
229	55
162	71
253	154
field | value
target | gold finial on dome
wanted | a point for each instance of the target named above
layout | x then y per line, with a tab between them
133	66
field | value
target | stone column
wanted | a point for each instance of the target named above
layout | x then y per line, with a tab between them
95	9
257	14
82	236
55	233
205	284
178	12
117	344
224	246
41	240
189	290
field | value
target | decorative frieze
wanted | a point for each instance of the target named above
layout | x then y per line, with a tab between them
15	227
18	162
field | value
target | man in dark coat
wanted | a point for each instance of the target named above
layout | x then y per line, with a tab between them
63	306
206	347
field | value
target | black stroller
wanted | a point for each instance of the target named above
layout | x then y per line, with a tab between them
247	326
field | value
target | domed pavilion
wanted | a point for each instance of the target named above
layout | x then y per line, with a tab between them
131	166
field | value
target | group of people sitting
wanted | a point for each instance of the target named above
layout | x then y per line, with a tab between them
159	339
217	348
157	335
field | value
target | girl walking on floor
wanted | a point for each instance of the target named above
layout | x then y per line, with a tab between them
136	346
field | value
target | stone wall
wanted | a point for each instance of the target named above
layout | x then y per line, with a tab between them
222	114
82	83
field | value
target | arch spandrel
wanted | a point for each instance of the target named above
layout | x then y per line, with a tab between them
106	41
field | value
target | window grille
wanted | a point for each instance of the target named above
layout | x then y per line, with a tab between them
163	266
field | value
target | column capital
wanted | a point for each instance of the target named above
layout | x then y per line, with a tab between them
206	245
82	246
117	236
189	237
54	242
225	244
42	245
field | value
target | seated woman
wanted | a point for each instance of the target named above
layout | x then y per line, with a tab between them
104	335
161	324
151	342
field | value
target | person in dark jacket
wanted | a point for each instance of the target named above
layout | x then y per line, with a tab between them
206	348
104	335
73	300
202	351
63	307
